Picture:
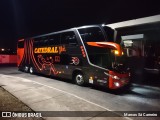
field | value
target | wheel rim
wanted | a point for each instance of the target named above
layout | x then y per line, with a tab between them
31	70
79	79
26	69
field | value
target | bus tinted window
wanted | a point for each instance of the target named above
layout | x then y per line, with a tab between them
44	40
41	41
68	38
21	44
109	33
93	34
37	42
54	39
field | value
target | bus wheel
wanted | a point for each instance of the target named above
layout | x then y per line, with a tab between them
79	79
31	70
26	68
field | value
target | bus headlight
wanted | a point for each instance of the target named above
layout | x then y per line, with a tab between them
116	52
116	84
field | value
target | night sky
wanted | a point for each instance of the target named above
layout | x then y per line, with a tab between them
26	18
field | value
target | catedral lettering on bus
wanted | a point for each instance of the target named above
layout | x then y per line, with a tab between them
86	54
50	50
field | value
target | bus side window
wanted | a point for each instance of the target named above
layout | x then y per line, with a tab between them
41	41
110	33
73	40
36	42
44	41
69	38
54	39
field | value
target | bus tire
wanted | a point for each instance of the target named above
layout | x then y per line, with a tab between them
79	79
31	70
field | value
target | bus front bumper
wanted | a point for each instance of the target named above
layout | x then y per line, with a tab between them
118	80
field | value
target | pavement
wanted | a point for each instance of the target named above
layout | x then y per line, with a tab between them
10	103
40	97
55	98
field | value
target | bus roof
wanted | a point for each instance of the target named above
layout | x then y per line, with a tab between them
71	29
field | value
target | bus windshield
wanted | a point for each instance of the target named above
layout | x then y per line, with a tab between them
110	33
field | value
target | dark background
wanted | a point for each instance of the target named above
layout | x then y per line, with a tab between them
26	18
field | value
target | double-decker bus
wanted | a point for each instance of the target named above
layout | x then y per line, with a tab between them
82	54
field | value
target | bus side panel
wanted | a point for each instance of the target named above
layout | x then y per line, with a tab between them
32	62
20	54
23	55
26	56
58	64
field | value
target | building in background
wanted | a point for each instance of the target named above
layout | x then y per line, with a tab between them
141	41
7	57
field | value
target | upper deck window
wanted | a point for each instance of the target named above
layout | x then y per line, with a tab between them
54	39
68	38
92	34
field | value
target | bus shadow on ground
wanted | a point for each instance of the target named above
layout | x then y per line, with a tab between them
120	91
145	92
56	78
138	91
134	89
100	88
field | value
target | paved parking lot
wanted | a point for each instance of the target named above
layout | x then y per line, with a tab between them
46	94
